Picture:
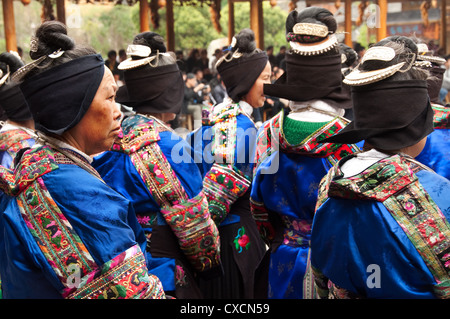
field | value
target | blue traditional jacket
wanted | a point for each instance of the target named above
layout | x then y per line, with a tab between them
436	153
66	234
383	233
283	199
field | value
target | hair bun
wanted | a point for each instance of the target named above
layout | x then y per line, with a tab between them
245	41
313	15
152	40
10	61
51	36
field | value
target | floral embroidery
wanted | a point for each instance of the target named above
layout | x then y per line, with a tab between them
241	241
180	276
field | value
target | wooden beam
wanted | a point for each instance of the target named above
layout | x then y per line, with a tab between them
230	20
61	11
144	15
170	38
443	31
10	27
348	23
382	18
256	22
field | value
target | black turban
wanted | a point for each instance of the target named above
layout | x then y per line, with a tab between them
59	97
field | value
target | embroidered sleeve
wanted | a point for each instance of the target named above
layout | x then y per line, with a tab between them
189	218
196	232
223	185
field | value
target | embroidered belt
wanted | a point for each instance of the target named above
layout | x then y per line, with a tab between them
222	186
125	276
297	232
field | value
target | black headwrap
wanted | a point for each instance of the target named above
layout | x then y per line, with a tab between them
388	115
150	89
13	103
59	97
240	74
311	77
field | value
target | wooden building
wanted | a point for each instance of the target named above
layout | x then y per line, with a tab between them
148	10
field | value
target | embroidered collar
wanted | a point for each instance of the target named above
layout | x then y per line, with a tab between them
60	145
9	127
315	110
378	182
309	146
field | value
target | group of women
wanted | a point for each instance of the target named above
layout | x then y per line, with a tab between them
102	202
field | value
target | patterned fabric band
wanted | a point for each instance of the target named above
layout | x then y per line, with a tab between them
222	186
261	216
125	276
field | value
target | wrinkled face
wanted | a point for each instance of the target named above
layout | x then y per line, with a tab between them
255	97
100	126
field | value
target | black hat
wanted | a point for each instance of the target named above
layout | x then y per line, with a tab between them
313	66
150	88
241	66
389	114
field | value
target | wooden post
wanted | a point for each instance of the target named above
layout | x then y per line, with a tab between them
170	26
382	28
144	16
443	33
61	11
10	27
256	22
348	23
230	20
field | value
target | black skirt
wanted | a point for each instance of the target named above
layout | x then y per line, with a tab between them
242	249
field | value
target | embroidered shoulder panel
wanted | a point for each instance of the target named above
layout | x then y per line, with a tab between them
14	140
378	182
441	118
34	163
137	132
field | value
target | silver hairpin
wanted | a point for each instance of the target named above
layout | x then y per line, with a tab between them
56	54
34	44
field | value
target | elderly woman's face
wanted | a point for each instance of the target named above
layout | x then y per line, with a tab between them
255	97
100	126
